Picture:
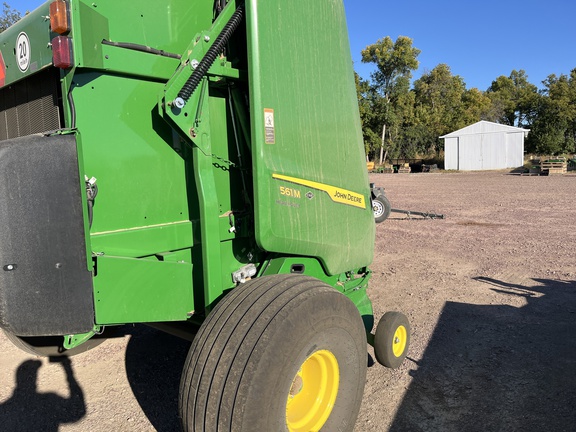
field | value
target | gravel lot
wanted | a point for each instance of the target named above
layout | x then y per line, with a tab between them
490	292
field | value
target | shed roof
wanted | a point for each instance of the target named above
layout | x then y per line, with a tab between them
485	127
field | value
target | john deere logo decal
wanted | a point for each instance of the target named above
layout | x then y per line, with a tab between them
336	194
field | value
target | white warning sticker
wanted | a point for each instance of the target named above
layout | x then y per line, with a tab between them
23	52
269	130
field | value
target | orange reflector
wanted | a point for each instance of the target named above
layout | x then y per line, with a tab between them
59	17
62	52
2	71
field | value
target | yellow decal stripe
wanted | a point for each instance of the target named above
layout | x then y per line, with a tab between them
336	194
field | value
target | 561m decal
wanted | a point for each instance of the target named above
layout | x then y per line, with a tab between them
337	194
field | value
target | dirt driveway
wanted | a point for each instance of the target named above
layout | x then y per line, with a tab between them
490	292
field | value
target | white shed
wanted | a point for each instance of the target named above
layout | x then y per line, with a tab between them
484	146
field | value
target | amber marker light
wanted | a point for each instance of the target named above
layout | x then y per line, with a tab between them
62	52
59	17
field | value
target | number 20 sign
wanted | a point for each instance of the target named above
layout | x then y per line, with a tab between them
23	52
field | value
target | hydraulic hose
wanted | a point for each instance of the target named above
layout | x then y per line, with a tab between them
213	52
72	110
141	48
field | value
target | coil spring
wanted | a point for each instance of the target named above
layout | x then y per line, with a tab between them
216	48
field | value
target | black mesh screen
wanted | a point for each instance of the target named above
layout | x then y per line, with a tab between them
31	105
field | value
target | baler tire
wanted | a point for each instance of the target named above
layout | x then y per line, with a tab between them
259	348
392	339
50	346
381	207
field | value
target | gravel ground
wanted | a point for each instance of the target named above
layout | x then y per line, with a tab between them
490	292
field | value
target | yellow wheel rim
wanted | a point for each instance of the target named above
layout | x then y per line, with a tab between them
313	393
399	341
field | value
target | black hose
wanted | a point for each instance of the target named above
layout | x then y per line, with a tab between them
216	48
72	109
141	48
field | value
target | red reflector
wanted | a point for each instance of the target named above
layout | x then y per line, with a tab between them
62	52
2	71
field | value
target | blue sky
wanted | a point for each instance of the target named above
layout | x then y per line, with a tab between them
479	40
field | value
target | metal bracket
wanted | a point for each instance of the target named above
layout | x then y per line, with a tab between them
192	117
244	273
72	341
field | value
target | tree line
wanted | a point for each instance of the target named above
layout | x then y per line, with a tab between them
408	118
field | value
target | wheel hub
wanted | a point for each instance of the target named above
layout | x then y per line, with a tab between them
378	208
313	393
297	385
400	338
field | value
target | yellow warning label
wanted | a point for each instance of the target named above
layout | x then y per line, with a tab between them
335	193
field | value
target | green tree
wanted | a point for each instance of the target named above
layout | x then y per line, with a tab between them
402	141
439	105
367	99
9	16
477	106
554	129
514	99
394	62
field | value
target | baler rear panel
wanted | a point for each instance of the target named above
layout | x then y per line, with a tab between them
312	195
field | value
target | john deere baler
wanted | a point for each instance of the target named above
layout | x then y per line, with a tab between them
197	165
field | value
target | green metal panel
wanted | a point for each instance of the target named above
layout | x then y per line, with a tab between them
38	50
353	285
123	22
138	163
311	183
144	241
130	290
309	266
157	192
167	25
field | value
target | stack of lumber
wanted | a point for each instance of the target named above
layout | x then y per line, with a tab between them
404	168
554	166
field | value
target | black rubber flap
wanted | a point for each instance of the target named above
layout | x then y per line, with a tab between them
45	285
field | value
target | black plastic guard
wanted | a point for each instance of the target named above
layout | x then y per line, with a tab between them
45	285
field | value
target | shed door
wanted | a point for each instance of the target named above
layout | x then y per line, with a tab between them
470	152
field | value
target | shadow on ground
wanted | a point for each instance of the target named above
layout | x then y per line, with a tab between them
154	362
28	409
499	368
